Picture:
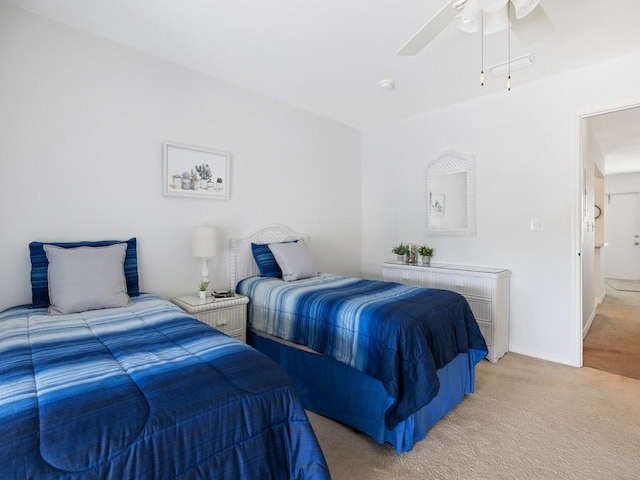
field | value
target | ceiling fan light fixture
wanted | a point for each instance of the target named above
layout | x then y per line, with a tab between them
489	6
524	7
458	4
468	20
496	21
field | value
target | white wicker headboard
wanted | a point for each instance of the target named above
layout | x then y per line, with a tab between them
242	263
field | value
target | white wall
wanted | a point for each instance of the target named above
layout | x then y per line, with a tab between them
82	122
622	183
527	148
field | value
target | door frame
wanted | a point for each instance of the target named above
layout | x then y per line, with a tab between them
577	229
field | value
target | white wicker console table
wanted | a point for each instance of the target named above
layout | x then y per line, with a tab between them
486	290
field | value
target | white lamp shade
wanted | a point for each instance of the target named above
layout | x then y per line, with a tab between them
496	21
468	20
205	242
489	6
524	7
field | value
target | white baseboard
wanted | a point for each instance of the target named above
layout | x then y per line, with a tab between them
542	356
597	302
586	328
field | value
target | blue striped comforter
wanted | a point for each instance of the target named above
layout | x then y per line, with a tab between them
144	392
398	334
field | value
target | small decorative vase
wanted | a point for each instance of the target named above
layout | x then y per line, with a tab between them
400	258
202	294
426	261
411	254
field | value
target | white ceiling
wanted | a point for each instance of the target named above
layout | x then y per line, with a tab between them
328	56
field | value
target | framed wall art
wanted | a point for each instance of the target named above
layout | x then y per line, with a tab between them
195	172
437	203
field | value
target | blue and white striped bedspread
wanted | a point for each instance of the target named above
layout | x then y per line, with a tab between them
398	334
144	392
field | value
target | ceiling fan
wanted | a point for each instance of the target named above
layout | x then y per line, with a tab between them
527	19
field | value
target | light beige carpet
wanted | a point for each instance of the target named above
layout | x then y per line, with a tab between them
529	419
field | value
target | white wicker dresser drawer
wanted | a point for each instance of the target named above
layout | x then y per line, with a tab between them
481	309
487	333
463	284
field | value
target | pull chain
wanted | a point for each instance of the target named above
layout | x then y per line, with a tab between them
482	48
508	47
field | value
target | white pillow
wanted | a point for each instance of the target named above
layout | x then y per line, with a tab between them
294	260
86	278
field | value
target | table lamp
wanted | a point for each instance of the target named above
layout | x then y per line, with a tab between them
205	245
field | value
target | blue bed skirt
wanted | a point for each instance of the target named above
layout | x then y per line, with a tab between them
337	391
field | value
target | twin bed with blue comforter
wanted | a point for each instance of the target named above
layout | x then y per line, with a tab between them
144	391
385	358
397	334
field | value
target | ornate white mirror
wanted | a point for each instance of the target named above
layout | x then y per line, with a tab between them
451	194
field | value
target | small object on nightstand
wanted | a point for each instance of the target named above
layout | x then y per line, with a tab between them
227	294
203	289
229	314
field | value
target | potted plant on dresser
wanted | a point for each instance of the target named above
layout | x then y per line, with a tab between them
426	253
400	251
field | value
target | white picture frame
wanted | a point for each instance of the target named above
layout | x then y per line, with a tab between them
195	172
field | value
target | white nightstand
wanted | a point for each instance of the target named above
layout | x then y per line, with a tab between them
229	315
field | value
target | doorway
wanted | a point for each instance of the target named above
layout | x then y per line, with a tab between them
611	145
622	232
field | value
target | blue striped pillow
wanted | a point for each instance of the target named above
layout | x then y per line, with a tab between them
40	267
265	260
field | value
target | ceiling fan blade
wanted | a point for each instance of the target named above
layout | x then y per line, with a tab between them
429	30
535	26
